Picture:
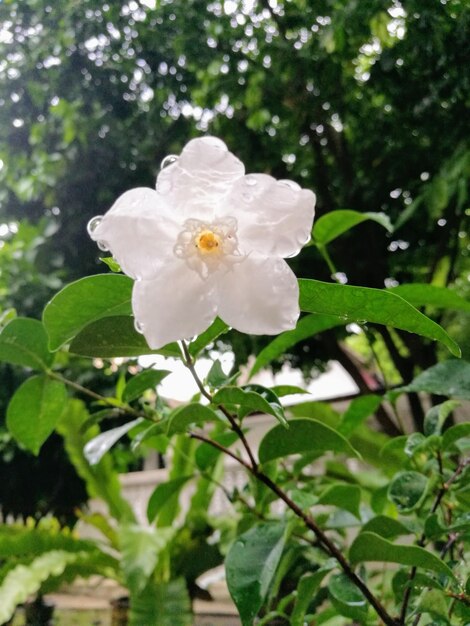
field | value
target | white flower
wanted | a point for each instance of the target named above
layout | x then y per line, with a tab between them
209	241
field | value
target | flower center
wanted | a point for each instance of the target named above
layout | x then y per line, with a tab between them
205	246
208	242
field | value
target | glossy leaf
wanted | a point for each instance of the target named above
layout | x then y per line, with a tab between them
363	304
454	433
370	547
347	598
97	447
111	337
437	415
162	494
23	341
407	490
217	328
287	390
303	435
189	414
84	302
249	402
140	549
250	566
34	411
307	326
359	409
386	527
330	226
422	294
306	589
148	379
450	378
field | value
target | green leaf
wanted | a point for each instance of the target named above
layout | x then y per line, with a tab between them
194	413
97	447
23	341
359	409
422	294
287	390
217	328
347	497
162	494
111	337
111	263
83	302
168	603
303	435
434	602
370	547
450	378
454	433
407	490
216	376
249	401
250	566
306	588
437	415
206	455
140	548
347	598
307	326
148	379
363	304
34	411
386	527
25	580
335	223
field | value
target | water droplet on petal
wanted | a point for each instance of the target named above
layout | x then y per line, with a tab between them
251	181
102	245
247	197
168	160
289	183
139	327
93	224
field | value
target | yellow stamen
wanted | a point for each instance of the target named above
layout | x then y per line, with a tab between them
207	242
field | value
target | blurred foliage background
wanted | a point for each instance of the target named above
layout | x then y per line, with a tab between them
364	102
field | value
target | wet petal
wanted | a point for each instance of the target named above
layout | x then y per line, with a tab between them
176	304
259	296
139	231
196	183
274	216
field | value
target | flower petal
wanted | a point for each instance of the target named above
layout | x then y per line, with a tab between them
140	232
176	304
203	174
259	296
274	216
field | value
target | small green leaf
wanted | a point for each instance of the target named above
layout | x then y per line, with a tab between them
450	378
422	294
306	588
163	494
194	413
83	302
370	547
335	223
386	527
434	602
34	411
347	497
270	397
437	415
148	379
359	409
216	377
303	435
23	341
347	598
363	304
250	566
454	433
111	263
111	337
140	549
249	401
407	490
217	328
287	390
307	326
97	447
206	455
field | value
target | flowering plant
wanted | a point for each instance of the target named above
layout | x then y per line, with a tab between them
211	241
